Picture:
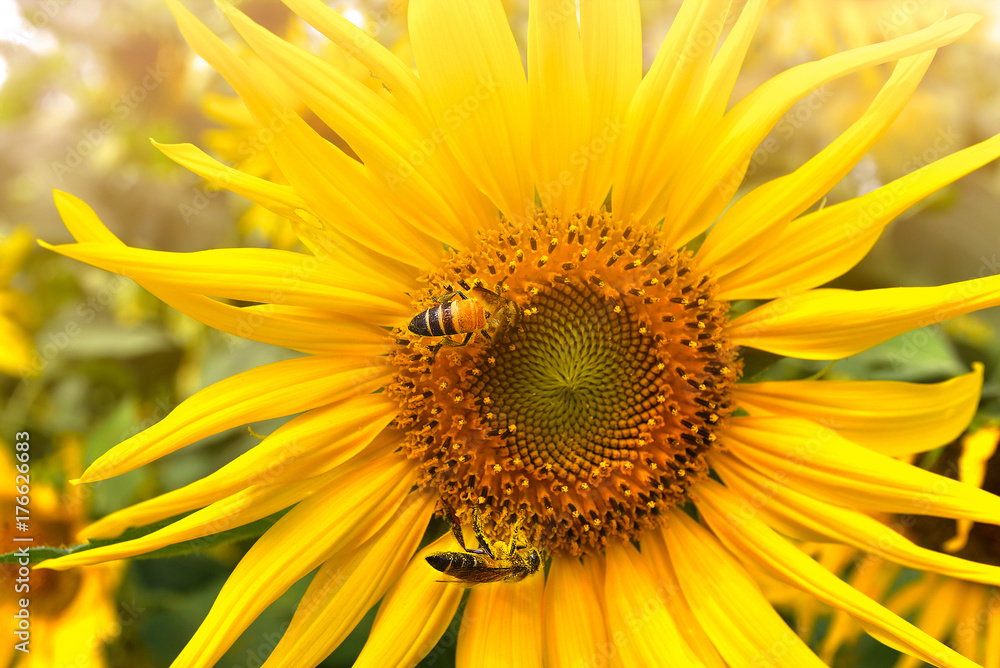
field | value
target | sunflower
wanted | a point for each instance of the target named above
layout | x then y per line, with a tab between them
608	427
70	615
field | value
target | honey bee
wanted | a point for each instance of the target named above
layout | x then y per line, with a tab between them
497	563
480	311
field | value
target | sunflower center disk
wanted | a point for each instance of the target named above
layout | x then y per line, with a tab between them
592	413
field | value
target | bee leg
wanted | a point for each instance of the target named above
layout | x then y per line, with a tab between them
477	526
456	529
449	342
448	295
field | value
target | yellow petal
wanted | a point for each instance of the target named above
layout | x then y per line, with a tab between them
81	221
473	78
816	461
399	79
414	614
339	517
349	584
726	602
262	275
272	390
573	621
706	183
393	72
800	516
977	451
611	39
336	187
663	112
638	619
560	105
372	126
240	509
311	444
747	232
831	324
822	245
752	540
891	417
654	549
992	633
282	200
279	198
726	65
502	625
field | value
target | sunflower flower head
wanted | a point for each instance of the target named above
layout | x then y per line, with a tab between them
577	229
594	414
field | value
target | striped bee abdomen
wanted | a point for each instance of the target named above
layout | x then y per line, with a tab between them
455	317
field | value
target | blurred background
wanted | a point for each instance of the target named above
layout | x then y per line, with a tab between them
88	359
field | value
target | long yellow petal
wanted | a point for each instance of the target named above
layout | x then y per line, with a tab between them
798	515
276	197
822	245
393	72
307	446
81	220
242	508
338	188
707	181
654	549
726	602
559	103
502	625
405	87
638	620
284	201
372	126
754	541
611	37
726	65
272	390
816	461
831	324
891	417
573	629
472	75
264	275
746	233
339	517
349	584
307	330
415	613
992	632
664	110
